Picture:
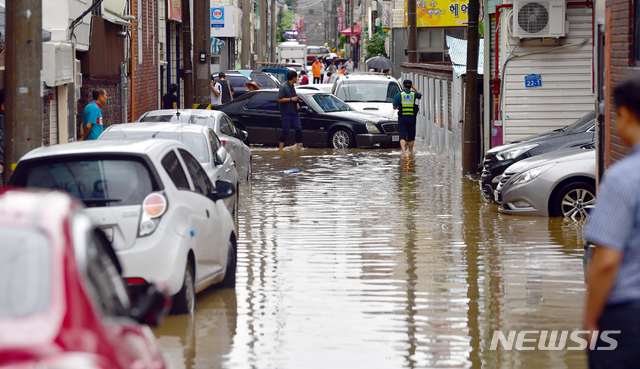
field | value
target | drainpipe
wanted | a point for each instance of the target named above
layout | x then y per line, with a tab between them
123	93
132	62
495	82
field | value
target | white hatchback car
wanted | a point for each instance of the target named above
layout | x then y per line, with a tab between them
202	141
154	202
368	92
232	138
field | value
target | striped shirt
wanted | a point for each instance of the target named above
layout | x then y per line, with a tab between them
615	224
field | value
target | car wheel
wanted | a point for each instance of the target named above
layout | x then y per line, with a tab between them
184	302
341	139
574	200
229	280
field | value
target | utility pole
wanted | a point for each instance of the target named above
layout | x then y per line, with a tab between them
262	13
274	30
202	50
246	35
187	74
470	128
351	26
334	24
23	104
412	22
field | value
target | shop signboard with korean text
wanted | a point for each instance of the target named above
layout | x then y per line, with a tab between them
441	13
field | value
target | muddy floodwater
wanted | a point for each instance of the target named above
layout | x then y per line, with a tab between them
364	259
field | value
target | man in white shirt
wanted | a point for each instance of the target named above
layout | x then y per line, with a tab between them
216	92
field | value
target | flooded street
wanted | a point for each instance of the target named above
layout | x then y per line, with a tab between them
363	259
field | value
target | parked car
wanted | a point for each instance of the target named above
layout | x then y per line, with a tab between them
154	202
322	87
559	183
368	92
63	302
201	140
238	78
326	121
499	158
314	52
231	137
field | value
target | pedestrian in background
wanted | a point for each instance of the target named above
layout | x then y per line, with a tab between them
305	79
405	102
349	66
227	89
216	92
92	126
613	277
170	100
328	77
316	68
289	107
331	68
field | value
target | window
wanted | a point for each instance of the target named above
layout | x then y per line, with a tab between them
263	101
196	142
171	164
215	143
225	128
264	81
97	182
201	181
368	91
238	81
329	103
25	272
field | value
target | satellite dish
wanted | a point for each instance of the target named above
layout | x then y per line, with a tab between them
533	18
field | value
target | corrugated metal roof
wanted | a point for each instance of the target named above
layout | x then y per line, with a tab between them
458	55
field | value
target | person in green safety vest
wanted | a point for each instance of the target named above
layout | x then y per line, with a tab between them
405	102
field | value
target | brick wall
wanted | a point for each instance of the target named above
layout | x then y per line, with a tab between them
619	28
111	110
146	74
48	95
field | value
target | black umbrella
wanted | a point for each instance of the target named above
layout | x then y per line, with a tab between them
379	62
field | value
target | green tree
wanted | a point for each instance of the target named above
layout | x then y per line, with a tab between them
375	46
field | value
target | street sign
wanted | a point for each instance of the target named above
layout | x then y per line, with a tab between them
353	39
533	80
217	17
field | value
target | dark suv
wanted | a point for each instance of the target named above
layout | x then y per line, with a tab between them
499	158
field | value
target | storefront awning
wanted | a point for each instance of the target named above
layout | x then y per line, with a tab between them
347	31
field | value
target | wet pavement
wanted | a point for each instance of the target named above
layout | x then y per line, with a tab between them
364	259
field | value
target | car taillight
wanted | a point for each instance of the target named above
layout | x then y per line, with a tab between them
153	207
224	143
136	280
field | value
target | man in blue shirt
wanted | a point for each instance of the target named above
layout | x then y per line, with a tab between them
289	107
405	101
92	116
613	277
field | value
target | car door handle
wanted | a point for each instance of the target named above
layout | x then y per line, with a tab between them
246	116
207	211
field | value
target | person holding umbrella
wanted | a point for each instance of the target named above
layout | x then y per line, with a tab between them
379	62
405	102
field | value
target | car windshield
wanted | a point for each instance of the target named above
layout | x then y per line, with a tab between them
580	125
328	103
96	181
24	272
368	91
172	117
195	141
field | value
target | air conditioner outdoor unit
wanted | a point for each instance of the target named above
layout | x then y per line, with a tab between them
534	19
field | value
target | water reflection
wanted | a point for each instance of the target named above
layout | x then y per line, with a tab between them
363	258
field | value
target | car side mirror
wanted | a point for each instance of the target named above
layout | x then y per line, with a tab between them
306	109
224	189
152	305
221	156
244	135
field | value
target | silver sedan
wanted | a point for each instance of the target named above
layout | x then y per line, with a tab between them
560	183
232	138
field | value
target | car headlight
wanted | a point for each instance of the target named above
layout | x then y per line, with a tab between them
531	174
372	128
497	178
515	152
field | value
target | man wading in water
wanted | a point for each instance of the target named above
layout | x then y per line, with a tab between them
289	107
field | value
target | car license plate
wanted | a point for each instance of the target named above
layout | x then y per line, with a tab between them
395	138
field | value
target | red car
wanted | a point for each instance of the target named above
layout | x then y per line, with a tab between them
63	302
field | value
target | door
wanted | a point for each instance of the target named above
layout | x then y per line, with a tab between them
238	150
314	125
261	116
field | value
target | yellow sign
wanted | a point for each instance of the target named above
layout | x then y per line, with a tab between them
441	13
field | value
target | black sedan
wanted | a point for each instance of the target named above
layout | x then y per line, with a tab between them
239	78
326	121
499	158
